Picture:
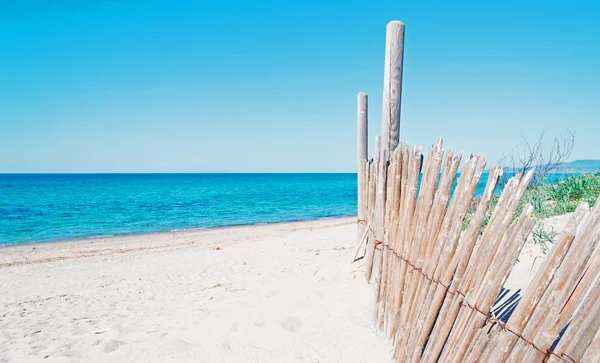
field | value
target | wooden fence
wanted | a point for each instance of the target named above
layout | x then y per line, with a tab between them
436	277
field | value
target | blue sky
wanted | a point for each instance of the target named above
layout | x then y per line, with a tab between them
267	86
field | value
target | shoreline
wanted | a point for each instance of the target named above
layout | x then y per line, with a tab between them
101	237
259	293
14	255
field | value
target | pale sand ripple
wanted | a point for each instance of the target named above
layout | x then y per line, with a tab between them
269	293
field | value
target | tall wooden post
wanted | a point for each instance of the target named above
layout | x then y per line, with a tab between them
392	85
362	118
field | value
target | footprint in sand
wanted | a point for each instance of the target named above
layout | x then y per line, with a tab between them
112	345
291	324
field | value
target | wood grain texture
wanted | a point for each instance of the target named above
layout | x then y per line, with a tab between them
460	260
496	250
592	354
554	311
380	203
446	263
373	183
584	325
399	266
432	166
362	147
363	124
363	199
503	342
392	84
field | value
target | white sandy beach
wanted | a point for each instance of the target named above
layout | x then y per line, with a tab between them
270	293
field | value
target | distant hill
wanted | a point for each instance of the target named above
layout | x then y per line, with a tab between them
571	167
581	166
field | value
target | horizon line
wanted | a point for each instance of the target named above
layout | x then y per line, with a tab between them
176	172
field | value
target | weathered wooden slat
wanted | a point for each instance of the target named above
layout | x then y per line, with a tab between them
361	242
394	206
452	304
428	263
466	246
483	298
365	194
424	208
409	205
435	219
393	196
386	253
498	231
480	342
584	325
592	354
372	208
445	267
499	273
399	268
545	323
362	136
409	215
502	345
422	240
380	202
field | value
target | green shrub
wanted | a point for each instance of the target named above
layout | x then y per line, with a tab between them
551	199
563	197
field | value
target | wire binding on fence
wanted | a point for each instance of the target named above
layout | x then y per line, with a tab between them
489	317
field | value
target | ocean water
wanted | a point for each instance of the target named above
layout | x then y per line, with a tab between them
50	207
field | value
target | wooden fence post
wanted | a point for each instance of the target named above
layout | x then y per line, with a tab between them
392	85
362	118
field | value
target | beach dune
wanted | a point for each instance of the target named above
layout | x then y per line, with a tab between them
268	293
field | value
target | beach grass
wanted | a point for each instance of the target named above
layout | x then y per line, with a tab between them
549	200
559	198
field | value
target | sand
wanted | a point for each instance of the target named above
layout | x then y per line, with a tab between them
270	293
532	255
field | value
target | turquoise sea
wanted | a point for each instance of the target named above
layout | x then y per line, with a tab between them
50	207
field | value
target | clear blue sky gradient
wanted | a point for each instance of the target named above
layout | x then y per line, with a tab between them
270	86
